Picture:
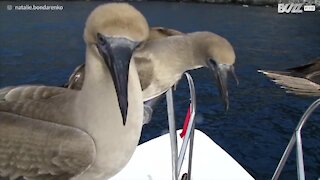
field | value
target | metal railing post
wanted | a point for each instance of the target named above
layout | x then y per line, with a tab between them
296	138
189	136
284	158
190	153
173	134
300	164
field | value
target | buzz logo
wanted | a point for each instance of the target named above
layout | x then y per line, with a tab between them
290	8
295	8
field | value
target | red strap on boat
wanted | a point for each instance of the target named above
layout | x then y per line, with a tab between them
186	122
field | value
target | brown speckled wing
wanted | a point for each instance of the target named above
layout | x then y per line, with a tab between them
36	149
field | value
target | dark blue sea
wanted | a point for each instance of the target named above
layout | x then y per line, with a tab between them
43	47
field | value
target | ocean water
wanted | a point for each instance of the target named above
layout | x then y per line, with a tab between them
43	47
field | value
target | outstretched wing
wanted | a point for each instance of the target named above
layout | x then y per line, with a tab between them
33	148
310	71
295	85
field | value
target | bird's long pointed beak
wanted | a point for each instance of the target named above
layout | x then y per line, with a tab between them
220	72
117	53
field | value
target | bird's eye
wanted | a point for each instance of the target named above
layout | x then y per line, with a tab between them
101	40
138	46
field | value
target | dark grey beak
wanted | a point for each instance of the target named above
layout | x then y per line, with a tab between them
117	53
220	72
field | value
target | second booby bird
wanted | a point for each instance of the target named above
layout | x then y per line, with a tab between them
58	133
161	63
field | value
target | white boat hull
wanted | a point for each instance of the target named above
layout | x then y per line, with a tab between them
152	161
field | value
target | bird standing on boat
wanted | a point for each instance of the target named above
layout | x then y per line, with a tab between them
59	133
301	80
161	61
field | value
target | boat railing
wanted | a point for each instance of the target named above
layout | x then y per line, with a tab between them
296	139
177	159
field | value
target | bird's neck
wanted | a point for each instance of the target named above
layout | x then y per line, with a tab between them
97	76
98	113
199	47
98	88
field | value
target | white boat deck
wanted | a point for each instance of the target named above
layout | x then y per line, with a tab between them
152	161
